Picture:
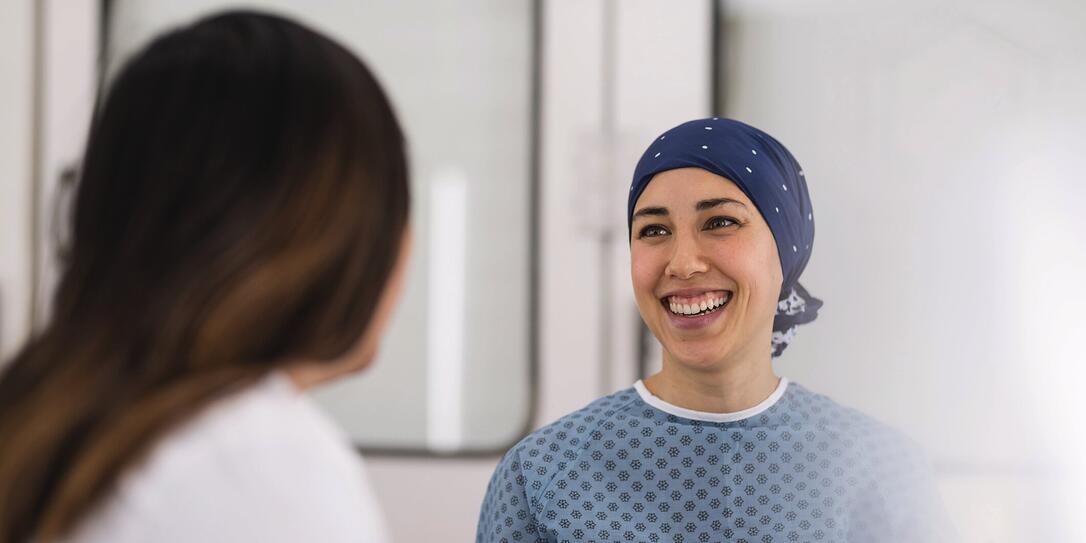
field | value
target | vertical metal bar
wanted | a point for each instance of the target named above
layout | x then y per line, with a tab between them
718	57
608	133
105	17
535	139
36	144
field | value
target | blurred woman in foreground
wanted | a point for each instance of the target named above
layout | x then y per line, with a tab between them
239	235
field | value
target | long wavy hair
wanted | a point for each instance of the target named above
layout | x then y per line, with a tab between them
241	206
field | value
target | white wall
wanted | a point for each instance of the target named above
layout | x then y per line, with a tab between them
68	85
43	126
942	145
16	151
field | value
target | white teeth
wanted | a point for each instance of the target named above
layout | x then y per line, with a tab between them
699	307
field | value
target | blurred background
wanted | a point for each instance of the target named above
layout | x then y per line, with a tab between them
944	143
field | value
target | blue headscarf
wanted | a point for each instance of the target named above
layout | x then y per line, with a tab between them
770	176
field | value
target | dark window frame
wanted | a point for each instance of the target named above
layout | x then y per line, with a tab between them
105	17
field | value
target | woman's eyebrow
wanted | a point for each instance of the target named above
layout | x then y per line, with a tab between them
709	204
647	211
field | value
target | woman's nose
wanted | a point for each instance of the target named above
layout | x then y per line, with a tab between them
687	260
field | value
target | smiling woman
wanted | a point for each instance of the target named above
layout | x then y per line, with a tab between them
758	171
708	247
716	446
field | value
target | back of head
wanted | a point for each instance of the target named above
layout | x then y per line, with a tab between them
241	206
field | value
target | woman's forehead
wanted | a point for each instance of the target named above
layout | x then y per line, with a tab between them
683	186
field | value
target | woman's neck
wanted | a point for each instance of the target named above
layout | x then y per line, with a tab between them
731	388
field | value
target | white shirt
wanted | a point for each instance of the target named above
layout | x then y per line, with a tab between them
263	465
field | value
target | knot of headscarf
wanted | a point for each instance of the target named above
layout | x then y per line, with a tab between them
770	176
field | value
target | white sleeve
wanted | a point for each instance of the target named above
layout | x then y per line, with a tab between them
290	480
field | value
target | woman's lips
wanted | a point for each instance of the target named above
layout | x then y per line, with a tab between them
694	312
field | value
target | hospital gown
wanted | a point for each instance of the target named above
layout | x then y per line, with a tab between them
799	467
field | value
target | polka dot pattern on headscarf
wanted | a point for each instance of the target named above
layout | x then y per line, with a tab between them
769	175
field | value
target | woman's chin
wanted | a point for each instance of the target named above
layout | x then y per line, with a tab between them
698	357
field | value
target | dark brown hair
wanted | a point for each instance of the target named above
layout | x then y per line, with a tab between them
241	206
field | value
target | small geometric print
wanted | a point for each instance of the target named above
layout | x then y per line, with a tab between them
802	468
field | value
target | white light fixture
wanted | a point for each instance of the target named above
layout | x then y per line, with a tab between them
445	314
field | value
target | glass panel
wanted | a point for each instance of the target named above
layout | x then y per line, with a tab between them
453	374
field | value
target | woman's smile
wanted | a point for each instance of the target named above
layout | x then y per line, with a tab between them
692	309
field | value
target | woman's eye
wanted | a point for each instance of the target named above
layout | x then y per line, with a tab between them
652	231
719	222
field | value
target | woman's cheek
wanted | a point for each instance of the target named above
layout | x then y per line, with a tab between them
769	278
643	272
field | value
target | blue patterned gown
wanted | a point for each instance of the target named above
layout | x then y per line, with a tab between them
631	467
